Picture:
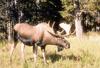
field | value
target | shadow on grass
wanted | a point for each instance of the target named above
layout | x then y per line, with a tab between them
56	57
53	57
73	57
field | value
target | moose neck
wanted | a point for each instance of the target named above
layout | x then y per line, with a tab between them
55	41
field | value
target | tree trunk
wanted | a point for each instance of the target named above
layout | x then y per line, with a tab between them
9	31
78	14
78	26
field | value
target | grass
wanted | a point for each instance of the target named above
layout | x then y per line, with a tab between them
84	53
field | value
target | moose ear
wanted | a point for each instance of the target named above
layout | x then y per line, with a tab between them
59	48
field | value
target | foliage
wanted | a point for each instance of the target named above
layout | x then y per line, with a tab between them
41	11
49	9
32	11
90	5
68	5
68	10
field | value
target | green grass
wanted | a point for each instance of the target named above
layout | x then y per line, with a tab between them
84	53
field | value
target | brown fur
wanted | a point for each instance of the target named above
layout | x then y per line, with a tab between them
39	33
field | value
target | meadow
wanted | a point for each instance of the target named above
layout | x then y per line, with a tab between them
84	53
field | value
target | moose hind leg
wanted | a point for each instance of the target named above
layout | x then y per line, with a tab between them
35	53
13	46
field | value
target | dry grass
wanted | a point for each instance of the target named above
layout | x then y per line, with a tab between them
84	53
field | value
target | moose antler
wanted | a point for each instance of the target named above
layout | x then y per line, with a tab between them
49	23
53	25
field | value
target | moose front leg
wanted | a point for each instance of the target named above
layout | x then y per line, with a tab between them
44	54
35	52
22	52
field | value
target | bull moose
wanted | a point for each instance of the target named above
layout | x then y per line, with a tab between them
39	35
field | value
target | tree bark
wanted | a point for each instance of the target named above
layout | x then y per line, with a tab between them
78	18
9	31
78	26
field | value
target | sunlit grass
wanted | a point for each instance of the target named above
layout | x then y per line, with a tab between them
84	53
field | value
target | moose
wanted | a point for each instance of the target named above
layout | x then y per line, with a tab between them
38	35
